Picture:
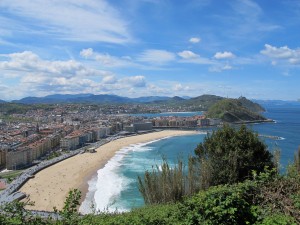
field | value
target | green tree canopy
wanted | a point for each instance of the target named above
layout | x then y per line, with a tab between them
229	155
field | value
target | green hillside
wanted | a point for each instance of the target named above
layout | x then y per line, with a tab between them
236	110
252	106
200	103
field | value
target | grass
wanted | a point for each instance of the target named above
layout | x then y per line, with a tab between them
11	175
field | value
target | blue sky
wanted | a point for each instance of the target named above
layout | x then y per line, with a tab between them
150	47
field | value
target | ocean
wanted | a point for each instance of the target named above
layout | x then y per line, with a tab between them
115	186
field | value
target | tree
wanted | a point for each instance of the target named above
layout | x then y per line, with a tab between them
69	214
230	155
14	213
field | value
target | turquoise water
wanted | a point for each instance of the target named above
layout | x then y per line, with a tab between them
116	184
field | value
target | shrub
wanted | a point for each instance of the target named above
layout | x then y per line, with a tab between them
166	184
229	155
224	204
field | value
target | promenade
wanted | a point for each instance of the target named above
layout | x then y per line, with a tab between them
11	193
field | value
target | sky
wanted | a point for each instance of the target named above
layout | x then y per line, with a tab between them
139	48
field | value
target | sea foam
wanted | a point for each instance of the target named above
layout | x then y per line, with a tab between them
106	187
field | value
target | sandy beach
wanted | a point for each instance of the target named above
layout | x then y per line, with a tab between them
50	186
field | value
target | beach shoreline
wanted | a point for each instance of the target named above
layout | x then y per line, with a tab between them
50	187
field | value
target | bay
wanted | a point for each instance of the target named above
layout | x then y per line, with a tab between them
134	160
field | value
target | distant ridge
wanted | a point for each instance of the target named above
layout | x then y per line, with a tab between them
247	110
267	103
151	98
1	101
176	98
87	98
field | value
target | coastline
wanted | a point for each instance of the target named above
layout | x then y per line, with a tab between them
50	186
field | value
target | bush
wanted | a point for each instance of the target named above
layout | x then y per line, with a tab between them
228	156
277	219
224	204
165	184
154	214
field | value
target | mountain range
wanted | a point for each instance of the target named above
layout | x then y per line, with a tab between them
197	103
87	98
202	102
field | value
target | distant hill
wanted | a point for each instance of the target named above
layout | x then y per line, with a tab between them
231	110
151	99
200	103
252	106
52	99
277	103
236	110
203	101
87	98
2	101
176	98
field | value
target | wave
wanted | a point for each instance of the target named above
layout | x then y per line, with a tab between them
105	188
277	138
88	205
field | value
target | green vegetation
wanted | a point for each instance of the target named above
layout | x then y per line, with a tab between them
54	155
11	175
230	155
227	156
250	190
9	118
200	103
235	110
14	213
268	199
11	108
254	107
168	184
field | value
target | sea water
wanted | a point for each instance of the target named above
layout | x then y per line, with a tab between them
115	186
286	126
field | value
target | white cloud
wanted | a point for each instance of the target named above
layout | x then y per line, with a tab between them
31	63
191	57
87	53
106	59
188	54
157	56
295	61
180	87
135	81
220	68
41	77
282	54
81	20
109	79
227	67
194	40
224	55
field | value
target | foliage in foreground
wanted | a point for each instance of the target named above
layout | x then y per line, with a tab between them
227	156
230	155
267	199
165	184
248	202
